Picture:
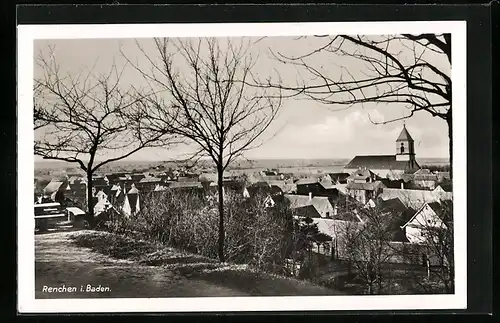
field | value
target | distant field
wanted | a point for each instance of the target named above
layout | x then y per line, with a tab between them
296	166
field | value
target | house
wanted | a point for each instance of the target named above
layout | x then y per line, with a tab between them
425	178
402	162
114	192
431	216
322	204
148	184
56	190
364	191
316	187
336	228
131	204
338	178
284	185
136	178
99	183
268	172
362	175
416	198
101	203
186	187
396	213
114	178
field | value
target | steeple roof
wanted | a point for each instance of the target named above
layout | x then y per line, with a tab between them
404	135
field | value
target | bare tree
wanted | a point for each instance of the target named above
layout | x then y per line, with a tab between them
366	246
396	70
436	242
81	119
202	94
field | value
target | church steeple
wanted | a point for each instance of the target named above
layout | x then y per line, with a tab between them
405	148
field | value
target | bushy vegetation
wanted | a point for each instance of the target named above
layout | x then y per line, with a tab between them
255	234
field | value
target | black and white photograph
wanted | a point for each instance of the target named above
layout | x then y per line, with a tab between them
219	165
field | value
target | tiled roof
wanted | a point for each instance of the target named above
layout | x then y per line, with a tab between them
365	186
319	202
404	135
374	162
414	198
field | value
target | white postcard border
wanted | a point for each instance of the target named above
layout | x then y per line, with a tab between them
25	226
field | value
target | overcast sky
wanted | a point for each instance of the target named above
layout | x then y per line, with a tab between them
303	128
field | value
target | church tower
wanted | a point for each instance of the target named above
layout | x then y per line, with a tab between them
405	148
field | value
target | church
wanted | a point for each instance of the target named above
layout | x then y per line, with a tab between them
383	165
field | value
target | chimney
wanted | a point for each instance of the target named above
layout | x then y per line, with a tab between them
310	196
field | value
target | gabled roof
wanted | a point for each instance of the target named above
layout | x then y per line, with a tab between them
404	135
137	177
283	185
308	211
326	184
365	186
443	210
52	187
374	162
393	205
340	177
307	181
415	198
319	202
133	190
361	173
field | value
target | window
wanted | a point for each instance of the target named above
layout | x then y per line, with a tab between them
402	148
327	214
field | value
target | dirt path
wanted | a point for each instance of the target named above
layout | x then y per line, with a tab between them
59	262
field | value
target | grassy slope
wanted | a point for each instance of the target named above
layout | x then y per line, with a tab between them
191	266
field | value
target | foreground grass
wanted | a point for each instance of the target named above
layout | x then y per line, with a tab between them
192	266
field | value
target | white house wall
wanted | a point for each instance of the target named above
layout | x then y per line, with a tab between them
425	218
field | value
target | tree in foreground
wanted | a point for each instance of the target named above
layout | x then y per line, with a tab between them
202	94
366	246
411	71
81	119
437	243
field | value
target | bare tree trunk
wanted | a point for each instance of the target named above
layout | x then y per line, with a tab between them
90	200
220	250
